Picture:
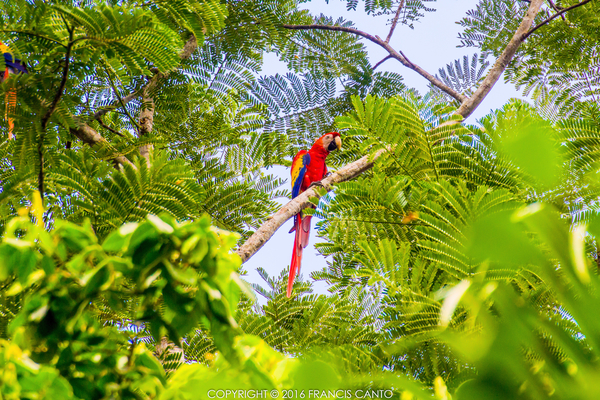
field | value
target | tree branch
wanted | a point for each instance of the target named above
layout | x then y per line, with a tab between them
50	111
146	125
268	229
116	92
108	128
89	136
147	112
467	107
556	8
60	91
393	54
395	21
381	62
550	18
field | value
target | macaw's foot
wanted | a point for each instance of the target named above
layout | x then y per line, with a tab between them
315	183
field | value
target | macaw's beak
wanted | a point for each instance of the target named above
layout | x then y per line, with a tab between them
336	144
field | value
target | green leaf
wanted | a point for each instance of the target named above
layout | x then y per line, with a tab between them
160	225
7	263
316	375
532	147
98	280
118	240
500	239
145	245
187	276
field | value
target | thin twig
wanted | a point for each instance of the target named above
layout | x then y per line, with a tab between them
60	90
550	18
554	6
381	62
114	88
395	21
50	111
102	124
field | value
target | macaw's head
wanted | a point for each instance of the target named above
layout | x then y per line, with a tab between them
329	142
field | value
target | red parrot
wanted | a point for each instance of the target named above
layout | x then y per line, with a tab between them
308	167
14	66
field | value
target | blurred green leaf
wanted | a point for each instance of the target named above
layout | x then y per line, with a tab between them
533	148
99	279
500	239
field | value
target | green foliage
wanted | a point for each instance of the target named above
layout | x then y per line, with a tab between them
491	24
443	214
411	11
464	77
176	276
559	344
555	65
170	278
463	264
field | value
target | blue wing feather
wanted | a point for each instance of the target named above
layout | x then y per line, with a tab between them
14	64
298	172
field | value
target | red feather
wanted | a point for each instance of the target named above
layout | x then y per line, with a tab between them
307	167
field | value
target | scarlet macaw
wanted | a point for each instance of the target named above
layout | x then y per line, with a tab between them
308	167
14	66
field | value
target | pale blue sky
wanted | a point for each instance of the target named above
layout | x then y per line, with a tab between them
432	44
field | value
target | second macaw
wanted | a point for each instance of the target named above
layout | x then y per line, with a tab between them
308	167
11	66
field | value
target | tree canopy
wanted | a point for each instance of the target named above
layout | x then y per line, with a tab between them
135	183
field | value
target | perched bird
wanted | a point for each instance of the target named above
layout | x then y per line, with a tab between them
308	167
11	66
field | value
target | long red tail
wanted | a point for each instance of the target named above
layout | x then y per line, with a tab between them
10	104
302	228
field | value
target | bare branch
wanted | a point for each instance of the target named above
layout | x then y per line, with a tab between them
268	229
381	62
60	91
467	107
50	111
146	125
550	18
395	21
556	8
89	136
108	128
189	47
393	53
